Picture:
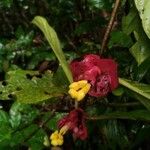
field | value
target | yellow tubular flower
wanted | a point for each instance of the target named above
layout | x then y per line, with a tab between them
56	139
78	90
64	129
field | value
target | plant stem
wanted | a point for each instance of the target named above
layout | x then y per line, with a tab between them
122	104
110	25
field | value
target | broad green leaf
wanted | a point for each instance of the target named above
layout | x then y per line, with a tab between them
53	40
142	91
29	86
143	7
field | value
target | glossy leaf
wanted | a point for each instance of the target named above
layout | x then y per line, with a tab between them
53	40
143	7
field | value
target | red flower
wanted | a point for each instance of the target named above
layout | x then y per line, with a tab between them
100	73
75	122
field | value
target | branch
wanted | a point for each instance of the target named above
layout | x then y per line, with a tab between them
110	25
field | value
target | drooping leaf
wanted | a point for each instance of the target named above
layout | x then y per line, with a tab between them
29	86
144	11
143	90
140	88
53	40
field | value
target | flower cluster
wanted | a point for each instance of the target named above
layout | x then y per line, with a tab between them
94	76
73	122
100	73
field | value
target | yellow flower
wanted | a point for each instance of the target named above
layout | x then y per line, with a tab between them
79	89
56	139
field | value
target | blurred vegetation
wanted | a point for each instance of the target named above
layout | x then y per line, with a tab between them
28	66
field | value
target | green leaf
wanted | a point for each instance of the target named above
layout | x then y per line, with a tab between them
140	51
5	133
119	38
23	135
116	135
52	123
143	7
29	86
22	114
4	118
129	22
53	40
140	88
143	90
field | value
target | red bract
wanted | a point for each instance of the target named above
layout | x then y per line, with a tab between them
75	121
100	73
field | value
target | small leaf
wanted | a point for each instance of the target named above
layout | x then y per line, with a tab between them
53	40
140	51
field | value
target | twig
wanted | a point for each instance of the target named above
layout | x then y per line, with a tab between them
110	25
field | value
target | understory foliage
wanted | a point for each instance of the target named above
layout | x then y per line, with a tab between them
47	45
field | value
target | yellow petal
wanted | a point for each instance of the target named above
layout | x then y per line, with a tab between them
86	88
73	93
80	96
77	85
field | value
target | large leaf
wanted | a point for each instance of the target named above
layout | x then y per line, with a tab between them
29	86
53	40
141	49
143	91
143	7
